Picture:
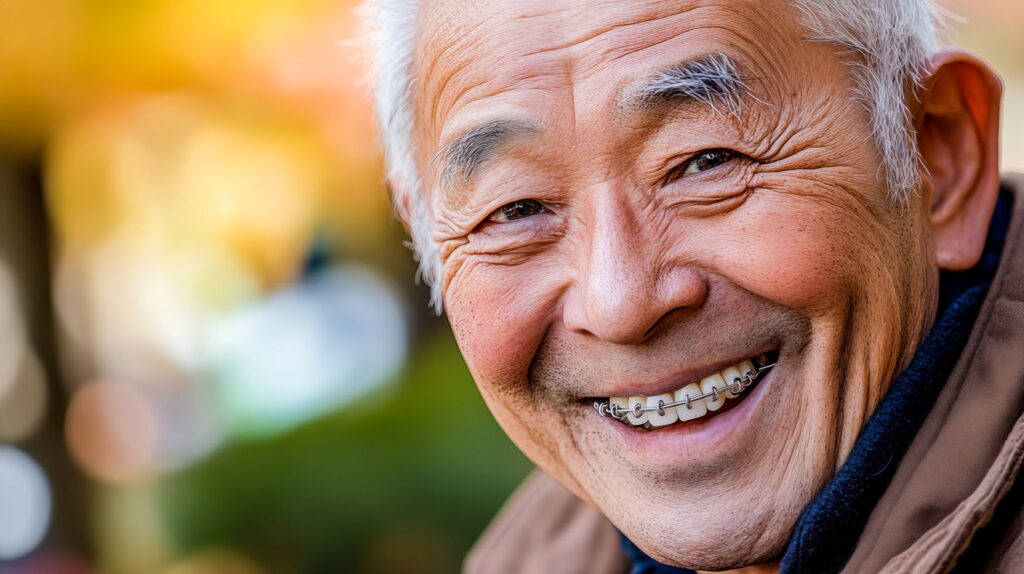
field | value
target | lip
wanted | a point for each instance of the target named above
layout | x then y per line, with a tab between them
674	382
696	439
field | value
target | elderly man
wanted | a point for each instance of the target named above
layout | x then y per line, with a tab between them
739	277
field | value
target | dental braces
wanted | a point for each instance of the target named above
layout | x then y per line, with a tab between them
738	385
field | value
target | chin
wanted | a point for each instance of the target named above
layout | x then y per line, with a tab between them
721	491
746	537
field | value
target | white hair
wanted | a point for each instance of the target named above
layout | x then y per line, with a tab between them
890	42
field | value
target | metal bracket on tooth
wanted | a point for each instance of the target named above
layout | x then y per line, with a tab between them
738	386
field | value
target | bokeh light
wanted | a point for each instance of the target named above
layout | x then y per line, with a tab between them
12	331
23	392
307	350
179	171
111	431
23	405
25	504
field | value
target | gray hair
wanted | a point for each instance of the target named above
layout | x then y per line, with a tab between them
891	42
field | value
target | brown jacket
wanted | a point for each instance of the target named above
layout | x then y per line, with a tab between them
949	502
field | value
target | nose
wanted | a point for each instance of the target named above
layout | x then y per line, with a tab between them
629	280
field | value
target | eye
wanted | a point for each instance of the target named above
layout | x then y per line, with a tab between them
516	210
702	161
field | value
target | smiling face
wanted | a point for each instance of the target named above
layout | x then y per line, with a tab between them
630	197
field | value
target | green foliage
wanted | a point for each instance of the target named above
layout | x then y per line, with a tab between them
403	481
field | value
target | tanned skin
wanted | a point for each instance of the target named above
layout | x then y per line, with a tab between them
630	260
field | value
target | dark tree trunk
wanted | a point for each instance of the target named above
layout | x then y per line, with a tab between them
25	247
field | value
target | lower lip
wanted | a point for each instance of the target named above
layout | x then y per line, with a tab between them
693	439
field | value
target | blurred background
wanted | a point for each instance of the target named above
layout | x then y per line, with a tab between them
213	355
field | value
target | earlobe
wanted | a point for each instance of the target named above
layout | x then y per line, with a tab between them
958	136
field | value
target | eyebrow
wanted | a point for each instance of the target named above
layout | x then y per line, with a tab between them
461	158
711	80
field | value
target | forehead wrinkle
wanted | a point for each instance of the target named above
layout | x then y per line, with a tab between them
462	44
589	37
440	73
463	156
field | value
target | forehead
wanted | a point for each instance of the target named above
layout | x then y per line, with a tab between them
475	57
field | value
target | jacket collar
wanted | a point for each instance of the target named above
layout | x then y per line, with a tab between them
967	454
828	530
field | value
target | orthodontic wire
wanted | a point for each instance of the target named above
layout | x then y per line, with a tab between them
737	386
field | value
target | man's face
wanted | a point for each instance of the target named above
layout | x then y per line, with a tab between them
606	235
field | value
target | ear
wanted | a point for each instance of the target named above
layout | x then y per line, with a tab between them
958	135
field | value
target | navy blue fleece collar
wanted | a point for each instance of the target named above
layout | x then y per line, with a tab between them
826	534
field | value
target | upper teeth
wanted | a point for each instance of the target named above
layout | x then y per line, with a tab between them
697	398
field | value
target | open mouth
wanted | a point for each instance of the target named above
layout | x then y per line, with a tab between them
702	399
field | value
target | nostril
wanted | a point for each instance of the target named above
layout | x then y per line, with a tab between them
668	319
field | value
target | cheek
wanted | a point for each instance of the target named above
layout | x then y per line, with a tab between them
799	265
499	315
813	261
